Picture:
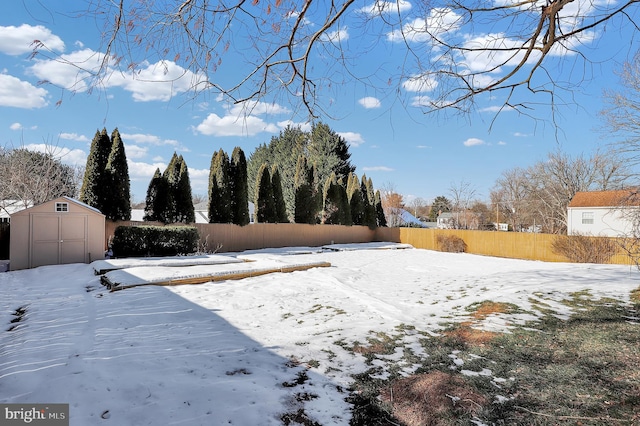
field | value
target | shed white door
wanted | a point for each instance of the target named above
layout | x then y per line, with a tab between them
58	239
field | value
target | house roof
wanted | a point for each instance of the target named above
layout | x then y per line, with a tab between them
606	198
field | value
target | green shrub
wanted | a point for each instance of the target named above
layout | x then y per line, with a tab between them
451	244
154	240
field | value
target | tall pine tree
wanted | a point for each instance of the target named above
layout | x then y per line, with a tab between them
264	203
95	183
239	187
336	206
356	202
368	199
184	200
220	204
116	173
278	197
306	197
381	219
157	199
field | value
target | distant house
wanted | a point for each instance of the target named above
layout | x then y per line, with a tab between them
602	213
446	221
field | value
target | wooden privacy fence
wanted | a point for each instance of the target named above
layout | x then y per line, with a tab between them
233	238
222	237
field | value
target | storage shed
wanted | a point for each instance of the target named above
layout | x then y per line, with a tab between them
63	230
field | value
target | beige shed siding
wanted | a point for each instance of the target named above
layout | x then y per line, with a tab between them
43	236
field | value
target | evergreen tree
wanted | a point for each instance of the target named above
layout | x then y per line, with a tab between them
220	204
356	201
171	175
381	219
330	152
264	203
116	173
441	204
368	199
182	195
239	188
278	197
282	151
95	182
336	207
306	203
157	198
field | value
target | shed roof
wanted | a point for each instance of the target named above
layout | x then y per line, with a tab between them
622	197
68	199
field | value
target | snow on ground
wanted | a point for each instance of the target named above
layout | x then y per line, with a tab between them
234	352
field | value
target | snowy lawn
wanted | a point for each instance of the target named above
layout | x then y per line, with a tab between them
264	350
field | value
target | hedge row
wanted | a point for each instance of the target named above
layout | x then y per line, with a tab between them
140	241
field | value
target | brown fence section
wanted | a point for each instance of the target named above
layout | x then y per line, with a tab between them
223	237
233	238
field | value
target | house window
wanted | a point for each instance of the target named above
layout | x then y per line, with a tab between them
62	207
587	218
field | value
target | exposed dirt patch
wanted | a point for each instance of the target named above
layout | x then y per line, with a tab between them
428	399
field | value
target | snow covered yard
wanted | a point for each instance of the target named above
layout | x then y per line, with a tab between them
262	350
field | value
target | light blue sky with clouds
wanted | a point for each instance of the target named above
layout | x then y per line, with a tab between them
391	140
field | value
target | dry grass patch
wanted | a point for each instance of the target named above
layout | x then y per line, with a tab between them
635	295
434	398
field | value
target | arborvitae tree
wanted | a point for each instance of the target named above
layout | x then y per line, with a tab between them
278	197
171	174
345	218
336	207
118	187
381	219
306	202
368	199
220	205
264	203
95	182
182	195
156	198
356	202
282	151
239	188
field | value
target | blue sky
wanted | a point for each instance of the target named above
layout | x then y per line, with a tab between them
391	140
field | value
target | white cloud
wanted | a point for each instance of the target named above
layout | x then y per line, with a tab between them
143	171
74	137
135	151
379	7
420	83
521	135
354	139
377	169
21	94
474	142
370	102
336	36
305	127
230	125
70	71
422	101
16	126
74	157
502	143
141	138
19	40
439	22
257	108
156	82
